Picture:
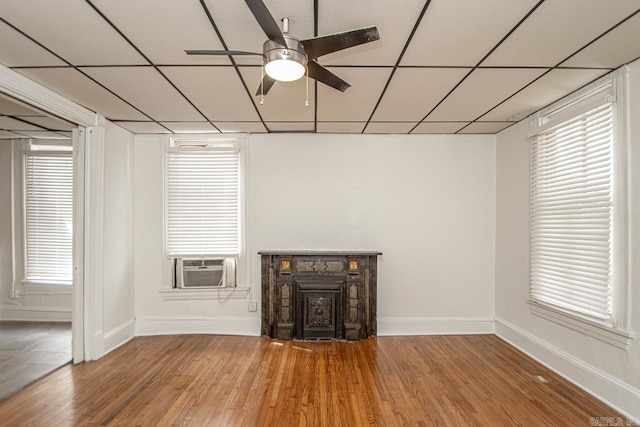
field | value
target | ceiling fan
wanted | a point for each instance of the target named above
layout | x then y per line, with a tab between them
285	58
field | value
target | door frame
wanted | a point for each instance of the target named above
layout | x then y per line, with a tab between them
88	147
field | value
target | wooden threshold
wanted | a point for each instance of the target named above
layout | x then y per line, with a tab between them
201	380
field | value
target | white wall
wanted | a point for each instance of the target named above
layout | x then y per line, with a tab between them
426	202
25	307
119	289
607	371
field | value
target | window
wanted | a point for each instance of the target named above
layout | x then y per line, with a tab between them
578	210
204	210
48	213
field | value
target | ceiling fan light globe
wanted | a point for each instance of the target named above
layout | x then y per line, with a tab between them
284	70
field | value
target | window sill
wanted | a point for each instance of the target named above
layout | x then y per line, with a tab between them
41	288
221	294
610	335
42	283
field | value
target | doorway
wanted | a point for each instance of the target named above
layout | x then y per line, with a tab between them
38	234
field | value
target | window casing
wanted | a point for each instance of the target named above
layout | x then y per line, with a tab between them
205	206
578	228
45	182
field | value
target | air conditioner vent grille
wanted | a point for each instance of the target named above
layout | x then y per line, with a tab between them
202	278
205	272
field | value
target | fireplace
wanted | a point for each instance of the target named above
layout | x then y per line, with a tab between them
319	294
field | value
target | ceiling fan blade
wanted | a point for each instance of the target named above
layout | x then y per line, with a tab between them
220	52
266	21
319	46
321	74
267	82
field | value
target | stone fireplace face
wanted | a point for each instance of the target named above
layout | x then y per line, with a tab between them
319	295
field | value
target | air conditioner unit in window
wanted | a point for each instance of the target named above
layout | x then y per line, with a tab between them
205	273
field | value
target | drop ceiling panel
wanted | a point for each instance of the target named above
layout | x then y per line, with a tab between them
557	29
285	101
143	127
482	90
485	127
50	123
341	127
8	123
357	102
145	88
251	127
552	86
79	88
73	30
190	127
389	127
10	108
439	127
43	134
470	28
413	92
394	19
452	37
290	126
216	91
240	30
5	134
170	28
614	49
17	50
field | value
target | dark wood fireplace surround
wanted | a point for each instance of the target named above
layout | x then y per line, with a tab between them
319	294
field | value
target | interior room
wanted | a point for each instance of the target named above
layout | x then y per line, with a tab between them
436	222
35	318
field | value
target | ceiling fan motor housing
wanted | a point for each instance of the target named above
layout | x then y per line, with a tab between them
277	56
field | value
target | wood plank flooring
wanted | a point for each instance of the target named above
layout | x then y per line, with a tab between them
201	380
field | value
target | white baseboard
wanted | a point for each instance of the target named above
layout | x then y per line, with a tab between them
119	335
435	325
614	392
174	325
95	348
35	314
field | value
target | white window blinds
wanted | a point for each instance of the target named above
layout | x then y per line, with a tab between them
202	201
48	199
572	214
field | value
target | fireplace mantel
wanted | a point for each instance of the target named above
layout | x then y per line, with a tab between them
319	294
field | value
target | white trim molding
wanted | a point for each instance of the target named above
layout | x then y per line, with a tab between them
35	313
435	325
609	335
119	335
77	323
177	325
614	392
220	294
26	90
94	241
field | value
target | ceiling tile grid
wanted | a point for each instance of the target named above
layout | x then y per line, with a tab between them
169	28
470	31
19	121
557	29
440	66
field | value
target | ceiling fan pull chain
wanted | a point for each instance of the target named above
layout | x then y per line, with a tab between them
262	84
306	102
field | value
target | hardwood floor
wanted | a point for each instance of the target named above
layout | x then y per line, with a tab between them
202	380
